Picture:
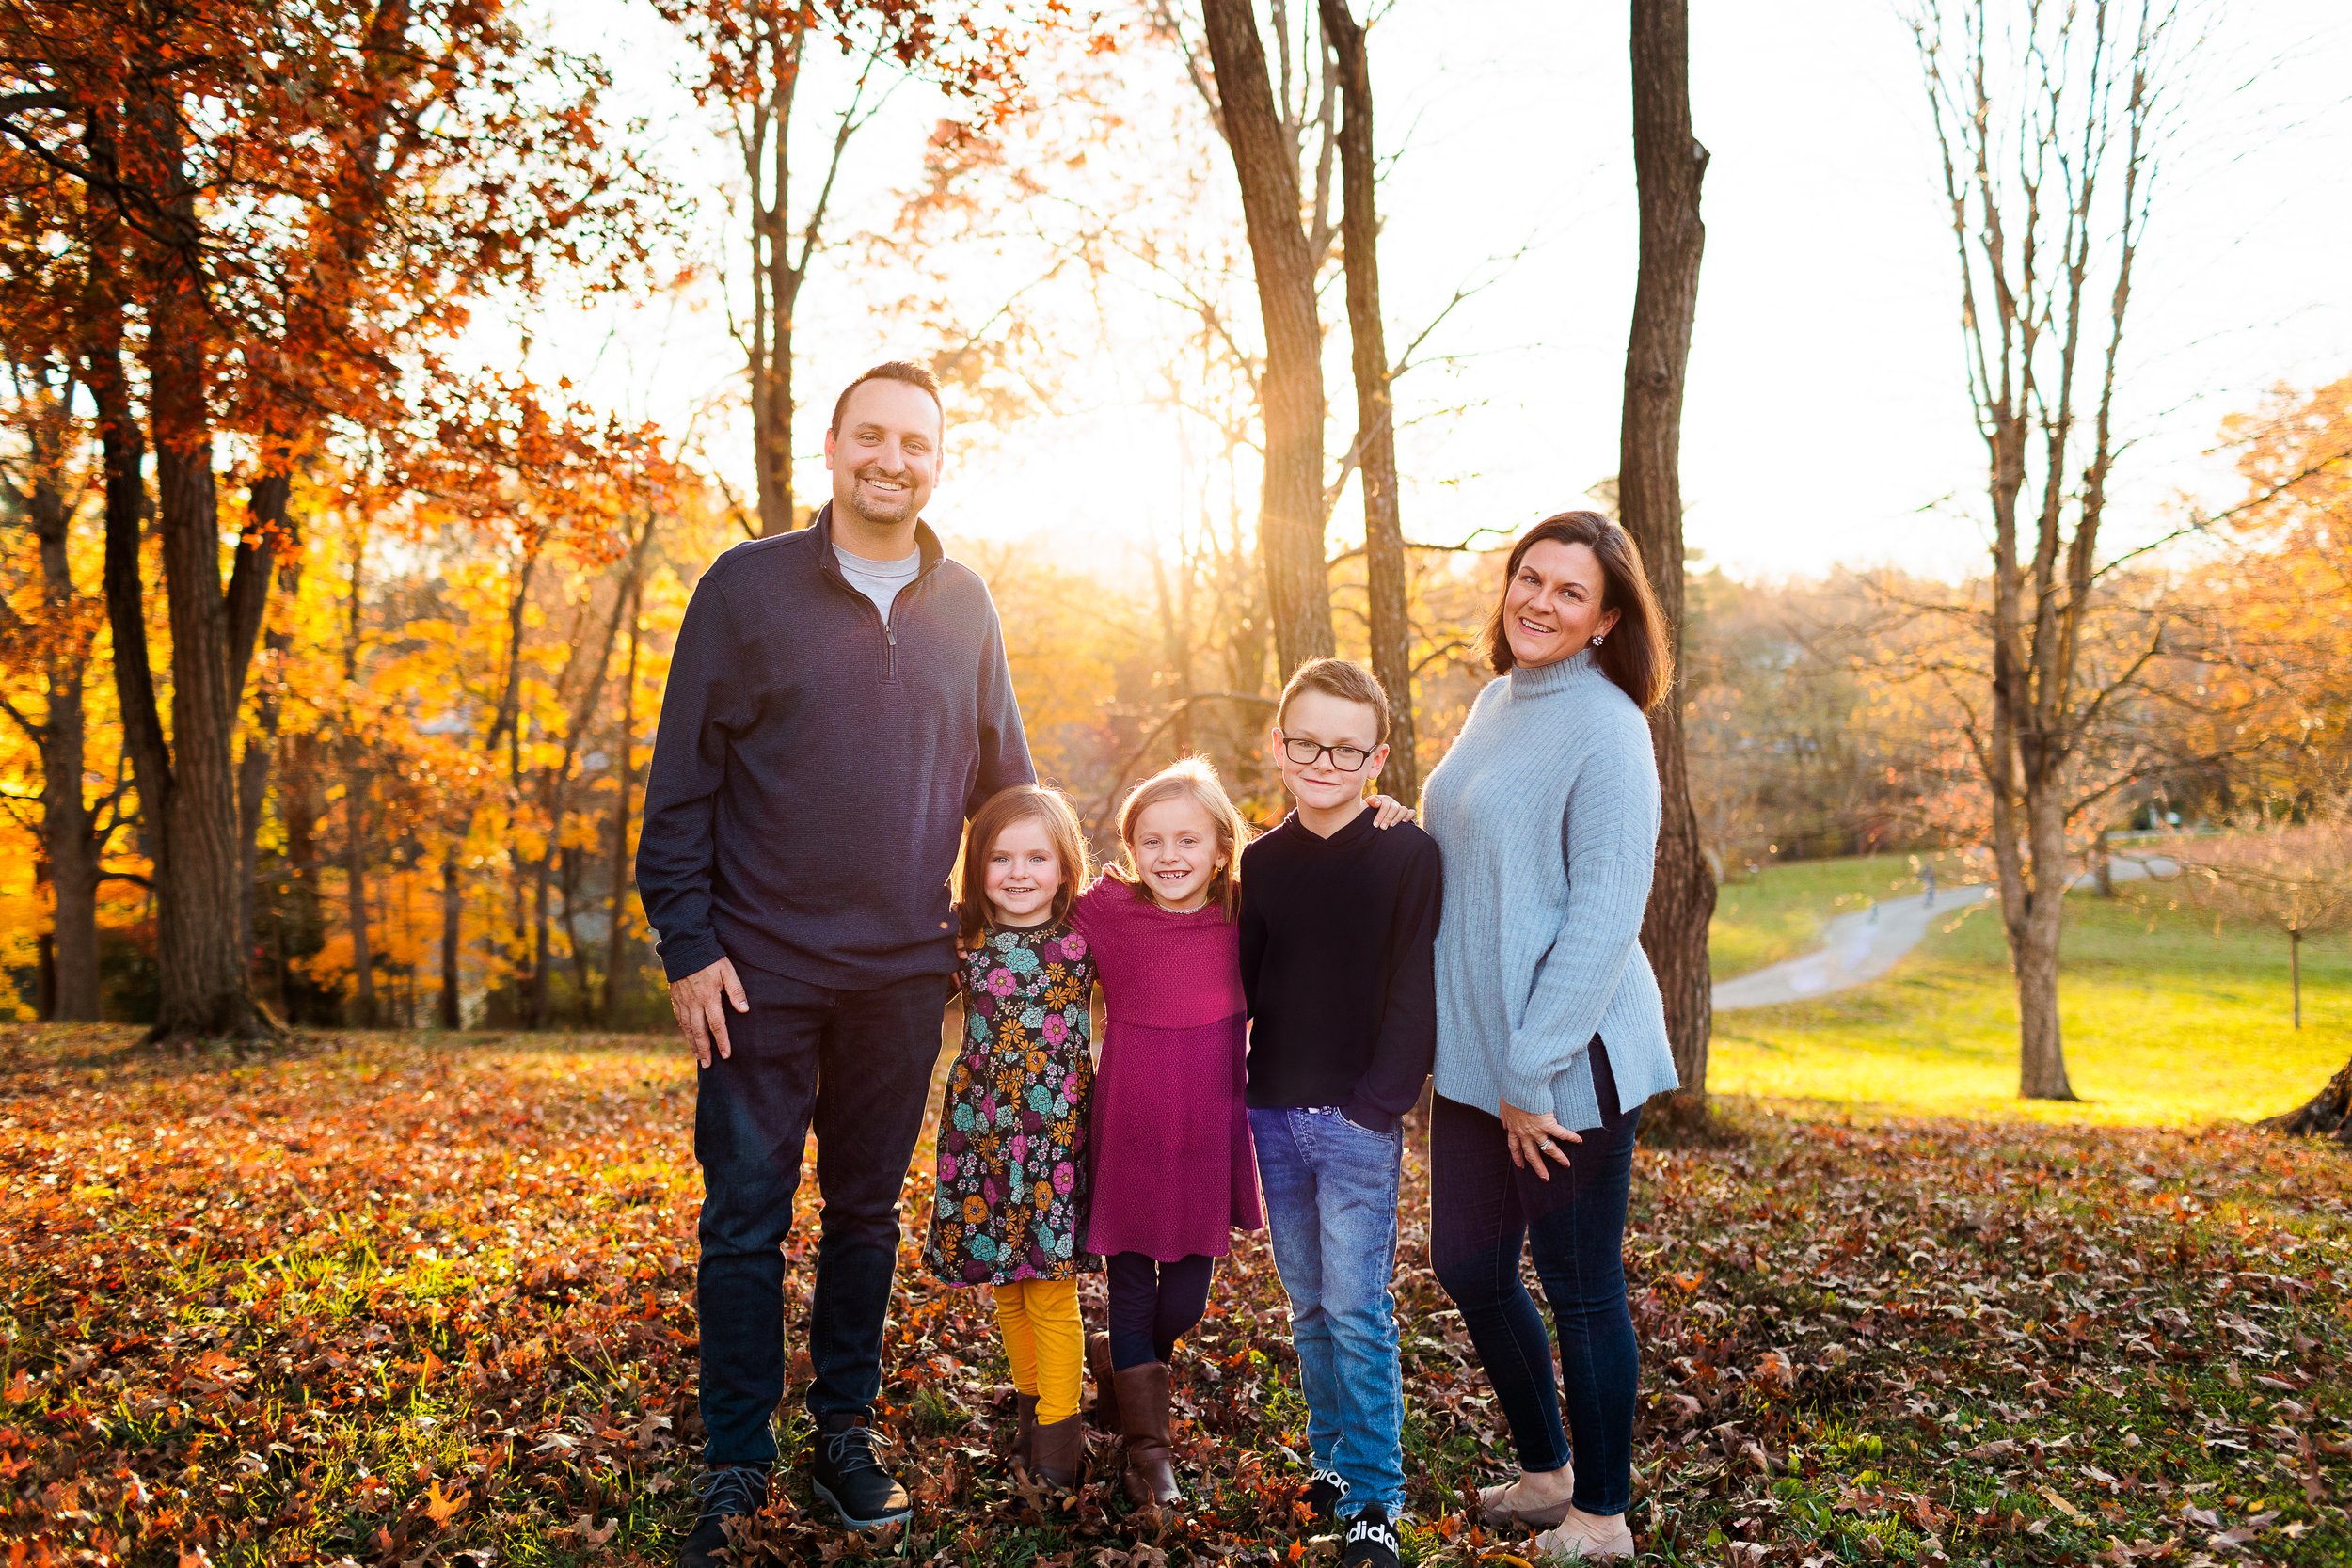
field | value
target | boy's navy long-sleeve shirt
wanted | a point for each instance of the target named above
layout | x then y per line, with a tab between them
1339	960
815	765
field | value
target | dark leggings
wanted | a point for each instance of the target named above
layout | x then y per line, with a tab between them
1152	1304
1483	1212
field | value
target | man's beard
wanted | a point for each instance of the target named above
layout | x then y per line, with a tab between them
876	509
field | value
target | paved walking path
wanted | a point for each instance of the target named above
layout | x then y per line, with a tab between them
1865	943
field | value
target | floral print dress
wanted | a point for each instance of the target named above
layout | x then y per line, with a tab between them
1012	1124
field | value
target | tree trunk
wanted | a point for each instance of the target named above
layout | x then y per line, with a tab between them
355	889
1385	563
269	505
73	882
535	999
1290	511
2295	972
2034	918
123	453
584	981
300	809
69	835
449	1010
1176	648
518	916
205	990
2325	1114
775	286
624	776
1669	165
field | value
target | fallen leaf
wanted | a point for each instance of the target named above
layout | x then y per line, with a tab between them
441	1507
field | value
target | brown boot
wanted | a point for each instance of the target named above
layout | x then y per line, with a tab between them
1060	1455
1023	1431
1150	1476
1105	1387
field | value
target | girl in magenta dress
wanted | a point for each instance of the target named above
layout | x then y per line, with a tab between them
1174	1174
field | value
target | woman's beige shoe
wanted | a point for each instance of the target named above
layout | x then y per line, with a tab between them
1506	1507
1586	1536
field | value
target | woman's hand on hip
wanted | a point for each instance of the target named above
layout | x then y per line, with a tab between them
1535	1138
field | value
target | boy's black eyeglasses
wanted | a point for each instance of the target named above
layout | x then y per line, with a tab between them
1307	754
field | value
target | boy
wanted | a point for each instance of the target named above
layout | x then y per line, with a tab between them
1339	925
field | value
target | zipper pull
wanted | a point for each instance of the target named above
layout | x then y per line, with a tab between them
888	636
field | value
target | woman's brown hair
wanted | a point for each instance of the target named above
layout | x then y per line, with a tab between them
1193	779
999	812
1635	654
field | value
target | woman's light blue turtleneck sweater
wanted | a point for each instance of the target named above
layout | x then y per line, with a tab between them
1547	812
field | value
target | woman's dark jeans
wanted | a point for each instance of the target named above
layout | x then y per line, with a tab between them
1483	1210
1153	1303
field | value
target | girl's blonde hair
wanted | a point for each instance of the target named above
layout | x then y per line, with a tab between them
1192	779
999	812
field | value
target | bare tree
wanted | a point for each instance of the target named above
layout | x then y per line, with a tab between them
752	59
1669	164
2049	156
1286	258
1375	405
357	780
2296	878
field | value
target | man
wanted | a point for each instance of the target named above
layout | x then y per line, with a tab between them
838	702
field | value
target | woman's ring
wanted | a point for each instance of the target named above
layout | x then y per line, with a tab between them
1551	1147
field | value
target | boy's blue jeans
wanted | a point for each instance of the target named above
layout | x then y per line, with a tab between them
1331	1201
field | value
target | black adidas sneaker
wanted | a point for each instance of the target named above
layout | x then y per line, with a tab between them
1371	1539
1325	1493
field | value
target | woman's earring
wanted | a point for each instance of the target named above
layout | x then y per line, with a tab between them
1597	637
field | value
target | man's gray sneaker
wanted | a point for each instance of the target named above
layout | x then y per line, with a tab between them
728	1492
846	1474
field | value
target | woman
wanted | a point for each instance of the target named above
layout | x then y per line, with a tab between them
1551	1033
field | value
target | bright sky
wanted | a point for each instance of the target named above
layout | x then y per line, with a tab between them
1827	420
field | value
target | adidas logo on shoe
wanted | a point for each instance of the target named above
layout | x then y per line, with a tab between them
1371	1540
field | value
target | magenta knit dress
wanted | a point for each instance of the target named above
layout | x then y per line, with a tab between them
1174	1173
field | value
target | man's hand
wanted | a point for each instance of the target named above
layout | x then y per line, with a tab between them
700	1017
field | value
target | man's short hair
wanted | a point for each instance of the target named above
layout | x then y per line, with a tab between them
1342	678
889	369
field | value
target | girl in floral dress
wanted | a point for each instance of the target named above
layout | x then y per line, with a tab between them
1012	1206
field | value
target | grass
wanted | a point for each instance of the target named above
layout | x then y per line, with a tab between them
2168	1019
428	1300
1779	911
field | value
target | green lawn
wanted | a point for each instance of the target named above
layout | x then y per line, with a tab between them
2170	1019
1779	912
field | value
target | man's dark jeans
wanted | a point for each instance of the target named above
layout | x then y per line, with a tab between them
1484	1211
855	1066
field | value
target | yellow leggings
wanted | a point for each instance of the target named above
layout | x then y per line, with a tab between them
1045	1343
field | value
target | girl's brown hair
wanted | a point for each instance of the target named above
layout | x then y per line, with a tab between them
1192	779
1001	811
1635	654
